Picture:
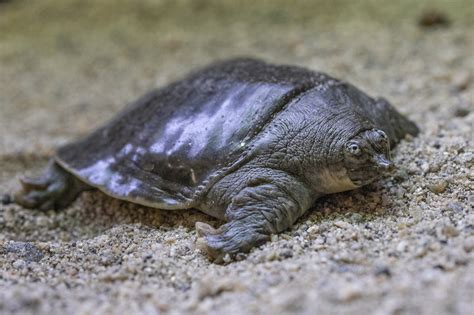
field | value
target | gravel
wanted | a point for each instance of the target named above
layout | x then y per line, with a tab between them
403	245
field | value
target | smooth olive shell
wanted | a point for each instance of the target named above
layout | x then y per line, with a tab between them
164	146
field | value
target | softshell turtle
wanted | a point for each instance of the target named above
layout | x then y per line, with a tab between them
248	142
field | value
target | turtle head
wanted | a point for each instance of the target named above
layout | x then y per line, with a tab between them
367	156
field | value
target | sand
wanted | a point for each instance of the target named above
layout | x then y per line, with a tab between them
403	245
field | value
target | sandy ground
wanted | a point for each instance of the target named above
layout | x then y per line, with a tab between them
404	245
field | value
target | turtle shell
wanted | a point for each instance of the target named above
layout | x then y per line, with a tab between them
170	145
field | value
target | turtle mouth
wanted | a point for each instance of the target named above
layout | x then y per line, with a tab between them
357	182
365	176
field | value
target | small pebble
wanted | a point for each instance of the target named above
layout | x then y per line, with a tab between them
342	224
468	244
227	259
425	167
314	229
456	206
461	112
350	293
19	264
461	81
438	187
357	218
449	230
6	199
421	251
433	18
286	253
382	271
402	246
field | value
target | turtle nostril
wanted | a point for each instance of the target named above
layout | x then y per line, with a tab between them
385	164
391	167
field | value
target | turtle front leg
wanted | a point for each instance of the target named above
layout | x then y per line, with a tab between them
253	215
54	189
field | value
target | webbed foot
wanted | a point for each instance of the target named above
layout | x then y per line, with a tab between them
54	189
229	239
254	214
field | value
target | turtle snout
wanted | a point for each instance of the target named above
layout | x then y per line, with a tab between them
384	164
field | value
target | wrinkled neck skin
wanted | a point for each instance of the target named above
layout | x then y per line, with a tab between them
306	141
322	167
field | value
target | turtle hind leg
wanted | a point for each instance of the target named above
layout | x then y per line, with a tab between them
54	189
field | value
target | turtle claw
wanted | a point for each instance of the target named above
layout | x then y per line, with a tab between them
227	241
216	255
55	189
29	183
206	234
41	193
204	229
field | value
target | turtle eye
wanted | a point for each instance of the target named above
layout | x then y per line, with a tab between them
383	139
353	148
